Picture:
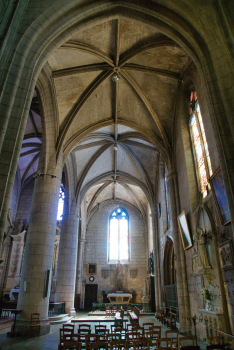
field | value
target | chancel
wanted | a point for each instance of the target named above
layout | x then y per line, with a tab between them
117	167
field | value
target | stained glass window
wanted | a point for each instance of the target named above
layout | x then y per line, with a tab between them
167	195
118	237
61	203
200	145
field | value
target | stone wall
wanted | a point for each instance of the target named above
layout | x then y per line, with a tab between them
96	252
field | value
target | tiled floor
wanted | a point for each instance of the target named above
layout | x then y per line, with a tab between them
50	341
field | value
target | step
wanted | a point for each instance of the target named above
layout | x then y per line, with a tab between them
6	323
57	317
64	318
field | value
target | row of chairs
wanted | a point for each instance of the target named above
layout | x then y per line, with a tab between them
148	334
169	319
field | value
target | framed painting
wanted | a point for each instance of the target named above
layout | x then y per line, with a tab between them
184	231
226	255
92	269
218	190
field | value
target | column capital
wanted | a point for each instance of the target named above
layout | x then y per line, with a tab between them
19	237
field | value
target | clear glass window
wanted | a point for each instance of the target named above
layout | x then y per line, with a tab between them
118	235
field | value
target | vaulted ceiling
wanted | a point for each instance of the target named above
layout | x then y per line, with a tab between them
131	121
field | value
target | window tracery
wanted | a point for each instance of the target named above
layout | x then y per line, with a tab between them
119	235
200	145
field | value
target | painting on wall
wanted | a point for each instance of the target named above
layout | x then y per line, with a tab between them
226	254
218	189
184	231
92	269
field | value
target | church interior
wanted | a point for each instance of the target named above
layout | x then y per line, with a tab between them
117	162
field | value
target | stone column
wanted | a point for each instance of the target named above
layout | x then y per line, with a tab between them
157	272
67	259
181	275
15	260
3	266
79	277
39	250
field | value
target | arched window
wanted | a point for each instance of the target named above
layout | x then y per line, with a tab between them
118	235
167	196
61	203
200	146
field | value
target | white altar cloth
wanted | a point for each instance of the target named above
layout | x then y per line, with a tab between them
119	297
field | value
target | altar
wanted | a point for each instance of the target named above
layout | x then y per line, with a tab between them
120	298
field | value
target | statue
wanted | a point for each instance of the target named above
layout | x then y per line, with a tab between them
119	268
119	285
203	261
9	221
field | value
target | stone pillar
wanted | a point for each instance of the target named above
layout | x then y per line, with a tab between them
79	275
39	250
67	259
15	260
3	265
181	275
157	272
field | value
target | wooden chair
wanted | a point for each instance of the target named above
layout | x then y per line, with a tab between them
108	310
65	336
187	339
35	323
113	336
98	345
153	337
215	347
156	328
165	341
174	339
130	327
69	326
138	329
84	326
100	329
118	344
82	334
73	345
190	347
130	337
215	340
117	328
102	334
114	310
91	338
142	343
147	326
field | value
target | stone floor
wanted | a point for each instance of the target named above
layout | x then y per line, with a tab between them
50	341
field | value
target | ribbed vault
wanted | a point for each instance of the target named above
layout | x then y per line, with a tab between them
116	128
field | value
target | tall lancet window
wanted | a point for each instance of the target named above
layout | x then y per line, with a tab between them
61	203
119	236
200	146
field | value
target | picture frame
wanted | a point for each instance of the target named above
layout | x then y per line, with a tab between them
226	255
220	196
184	231
91	269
